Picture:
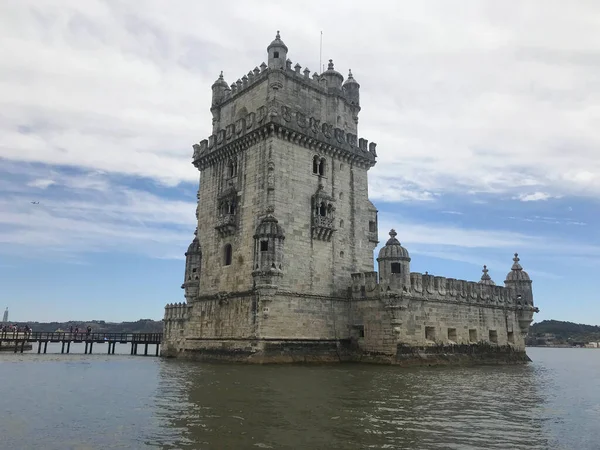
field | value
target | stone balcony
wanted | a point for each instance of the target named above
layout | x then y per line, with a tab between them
322	228
226	224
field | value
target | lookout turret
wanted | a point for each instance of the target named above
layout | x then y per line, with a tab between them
193	263
394	263
219	90
277	51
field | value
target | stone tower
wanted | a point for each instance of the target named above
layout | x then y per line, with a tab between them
283	173
5	317
281	265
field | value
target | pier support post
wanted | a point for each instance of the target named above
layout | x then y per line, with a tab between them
45	346
62	349
157	347
86	347
91	345
132	345
22	345
68	346
146	349
40	347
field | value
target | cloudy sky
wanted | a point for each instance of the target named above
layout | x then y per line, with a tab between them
486	115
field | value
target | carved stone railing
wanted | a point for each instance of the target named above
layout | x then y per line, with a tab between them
322	228
226	224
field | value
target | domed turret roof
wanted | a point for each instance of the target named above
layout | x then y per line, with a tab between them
350	79
194	248
220	82
269	227
393	249
332	72
517	273
485	278
277	42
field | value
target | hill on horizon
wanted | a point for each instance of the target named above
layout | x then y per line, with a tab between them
563	332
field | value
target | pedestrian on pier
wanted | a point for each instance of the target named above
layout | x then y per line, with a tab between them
89	330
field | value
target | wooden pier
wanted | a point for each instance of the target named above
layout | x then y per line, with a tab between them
20	341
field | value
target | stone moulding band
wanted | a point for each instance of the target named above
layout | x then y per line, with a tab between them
341	145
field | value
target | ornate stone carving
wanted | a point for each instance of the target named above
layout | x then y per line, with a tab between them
315	125
286	113
240	126
301	119
220	137
323	215
261	114
229	131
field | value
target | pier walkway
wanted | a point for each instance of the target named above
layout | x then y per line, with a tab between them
19	341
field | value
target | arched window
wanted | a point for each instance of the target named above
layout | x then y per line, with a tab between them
322	209
227	254
341	223
322	167
396	267
316	165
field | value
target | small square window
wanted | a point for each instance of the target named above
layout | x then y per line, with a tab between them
430	333
275	54
511	337
264	246
493	336
452	334
396	268
472	335
372	226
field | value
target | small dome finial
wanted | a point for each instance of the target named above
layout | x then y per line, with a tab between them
277	36
485	278
516	258
393	233
330	65
350	74
221	75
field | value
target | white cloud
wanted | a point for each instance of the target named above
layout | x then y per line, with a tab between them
41	183
90	217
533	197
489	97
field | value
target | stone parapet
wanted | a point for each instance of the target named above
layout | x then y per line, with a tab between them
292	125
176	311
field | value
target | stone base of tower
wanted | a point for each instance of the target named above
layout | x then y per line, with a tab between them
265	326
306	351
260	351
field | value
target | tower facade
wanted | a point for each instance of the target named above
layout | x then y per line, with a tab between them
284	146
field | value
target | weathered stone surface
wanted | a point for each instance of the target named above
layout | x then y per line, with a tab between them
281	268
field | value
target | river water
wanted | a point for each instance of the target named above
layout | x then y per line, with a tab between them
98	401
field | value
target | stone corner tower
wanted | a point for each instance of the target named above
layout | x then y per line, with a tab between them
283	199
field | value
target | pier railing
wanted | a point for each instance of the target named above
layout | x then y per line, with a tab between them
19	339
